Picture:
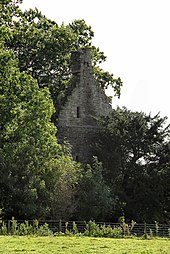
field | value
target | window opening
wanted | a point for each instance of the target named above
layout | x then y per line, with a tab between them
78	112
77	158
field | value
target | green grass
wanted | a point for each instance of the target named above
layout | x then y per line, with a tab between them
81	245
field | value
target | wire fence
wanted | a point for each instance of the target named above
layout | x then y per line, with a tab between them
139	229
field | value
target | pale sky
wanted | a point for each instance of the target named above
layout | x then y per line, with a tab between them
135	37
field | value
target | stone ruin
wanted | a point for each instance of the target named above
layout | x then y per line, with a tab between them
78	118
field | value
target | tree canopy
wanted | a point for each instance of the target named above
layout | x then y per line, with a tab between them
27	138
134	148
43	49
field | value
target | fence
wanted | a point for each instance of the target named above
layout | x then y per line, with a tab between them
139	229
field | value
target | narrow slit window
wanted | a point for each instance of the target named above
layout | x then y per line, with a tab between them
77	158
78	112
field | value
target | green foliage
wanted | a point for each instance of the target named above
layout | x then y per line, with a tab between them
36	174
44	230
3	229
75	230
84	33
38	178
156	228
151	233
13	229
25	229
9	11
28	145
145	235
95	230
0	216
94	197
127	227
64	190
134	149
32	165
92	229
43	49
105	79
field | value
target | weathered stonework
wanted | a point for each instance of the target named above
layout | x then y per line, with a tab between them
78	117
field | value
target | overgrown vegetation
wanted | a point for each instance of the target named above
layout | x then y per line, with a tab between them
39	179
91	229
24	229
135	150
95	230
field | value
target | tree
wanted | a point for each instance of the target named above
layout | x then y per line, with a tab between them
43	49
64	190
28	144
9	11
94	195
134	149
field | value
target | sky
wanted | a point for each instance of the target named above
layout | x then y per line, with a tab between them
135	37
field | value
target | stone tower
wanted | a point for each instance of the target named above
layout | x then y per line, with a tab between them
78	117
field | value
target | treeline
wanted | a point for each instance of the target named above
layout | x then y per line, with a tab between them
129	173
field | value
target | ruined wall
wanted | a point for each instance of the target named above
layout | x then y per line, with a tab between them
78	118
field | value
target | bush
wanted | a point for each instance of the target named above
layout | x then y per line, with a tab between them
95	230
25	229
3	229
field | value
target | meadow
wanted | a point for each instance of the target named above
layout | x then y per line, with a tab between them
81	245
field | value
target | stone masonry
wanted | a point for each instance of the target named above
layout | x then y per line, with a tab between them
78	117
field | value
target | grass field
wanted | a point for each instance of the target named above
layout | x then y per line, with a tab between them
81	245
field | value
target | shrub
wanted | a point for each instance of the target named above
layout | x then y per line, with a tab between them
44	230
95	230
3	229
25	228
